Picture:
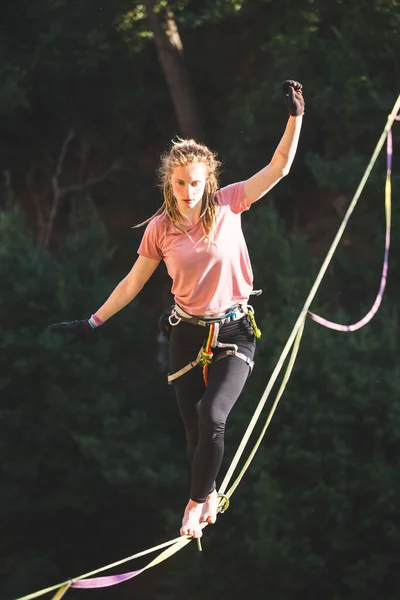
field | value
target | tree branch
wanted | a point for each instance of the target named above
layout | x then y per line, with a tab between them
78	187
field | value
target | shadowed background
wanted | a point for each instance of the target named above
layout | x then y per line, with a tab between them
92	451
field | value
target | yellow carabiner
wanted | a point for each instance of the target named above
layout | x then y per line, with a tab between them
257	332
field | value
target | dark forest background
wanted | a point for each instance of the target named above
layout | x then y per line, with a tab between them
92	454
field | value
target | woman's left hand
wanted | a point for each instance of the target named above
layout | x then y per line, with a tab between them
293	95
77	330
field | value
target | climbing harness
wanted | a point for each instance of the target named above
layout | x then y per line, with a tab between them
206	355
175	545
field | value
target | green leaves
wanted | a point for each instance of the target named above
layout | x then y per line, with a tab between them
92	448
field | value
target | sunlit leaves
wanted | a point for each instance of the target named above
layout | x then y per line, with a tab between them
134	28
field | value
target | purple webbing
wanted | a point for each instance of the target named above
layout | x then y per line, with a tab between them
378	299
376	305
99	582
389	151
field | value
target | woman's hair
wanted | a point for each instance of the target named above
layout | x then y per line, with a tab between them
180	154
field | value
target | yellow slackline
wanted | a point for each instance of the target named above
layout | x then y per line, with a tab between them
62	591
310	297
272	411
293	343
388	192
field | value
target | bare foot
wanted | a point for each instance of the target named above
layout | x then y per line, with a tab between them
210	507
191	520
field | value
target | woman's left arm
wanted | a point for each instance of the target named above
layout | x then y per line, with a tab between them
259	184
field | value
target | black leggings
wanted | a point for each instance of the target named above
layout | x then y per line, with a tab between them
204	410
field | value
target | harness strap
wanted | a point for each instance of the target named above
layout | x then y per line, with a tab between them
246	359
233	314
191	365
194	363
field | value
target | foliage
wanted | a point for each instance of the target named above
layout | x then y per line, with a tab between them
316	511
92	450
72	417
83	429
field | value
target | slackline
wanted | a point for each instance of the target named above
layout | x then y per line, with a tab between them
172	546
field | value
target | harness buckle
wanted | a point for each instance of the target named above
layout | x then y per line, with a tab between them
172	316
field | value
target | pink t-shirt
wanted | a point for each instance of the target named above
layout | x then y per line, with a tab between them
207	278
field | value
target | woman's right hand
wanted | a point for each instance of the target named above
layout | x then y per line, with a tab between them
77	329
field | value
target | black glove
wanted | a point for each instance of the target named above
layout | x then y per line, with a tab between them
77	329
293	94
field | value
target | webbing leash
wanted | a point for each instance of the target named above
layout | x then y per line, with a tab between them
388	214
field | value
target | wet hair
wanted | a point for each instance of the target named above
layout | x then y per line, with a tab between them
181	153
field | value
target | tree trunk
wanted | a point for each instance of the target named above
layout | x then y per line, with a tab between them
170	54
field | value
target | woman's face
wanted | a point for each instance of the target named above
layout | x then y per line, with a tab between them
188	185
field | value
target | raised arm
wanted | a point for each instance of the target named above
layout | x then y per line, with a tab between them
259	184
128	288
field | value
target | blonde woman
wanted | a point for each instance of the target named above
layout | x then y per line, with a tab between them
197	233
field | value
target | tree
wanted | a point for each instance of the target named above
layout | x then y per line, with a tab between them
171	56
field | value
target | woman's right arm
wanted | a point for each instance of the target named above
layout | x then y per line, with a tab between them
128	288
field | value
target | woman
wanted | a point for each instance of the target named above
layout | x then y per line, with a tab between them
197	232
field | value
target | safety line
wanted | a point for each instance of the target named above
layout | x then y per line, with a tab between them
388	214
293	341
285	379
